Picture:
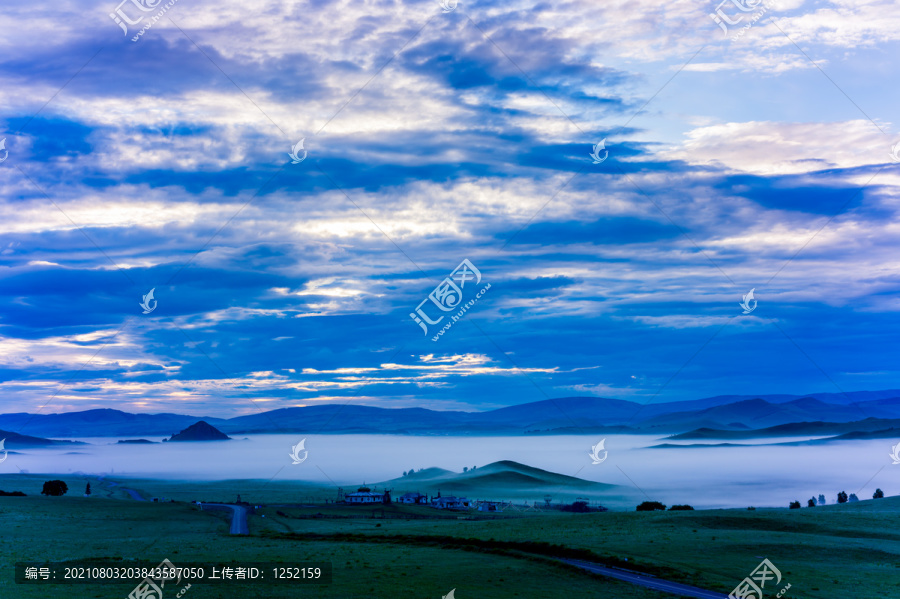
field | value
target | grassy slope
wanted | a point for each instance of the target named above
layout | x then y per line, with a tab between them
850	550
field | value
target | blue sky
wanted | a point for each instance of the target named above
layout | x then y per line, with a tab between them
761	162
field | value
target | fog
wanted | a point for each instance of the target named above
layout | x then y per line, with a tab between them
758	475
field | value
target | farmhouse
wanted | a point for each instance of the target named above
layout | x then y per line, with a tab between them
365	496
414	498
450	503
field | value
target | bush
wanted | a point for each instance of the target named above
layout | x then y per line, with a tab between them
649	506
842	497
12	494
853	497
56	488
811	502
878	494
794	505
676	508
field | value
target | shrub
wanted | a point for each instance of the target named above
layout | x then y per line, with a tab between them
811	502
677	508
878	494
794	505
842	497
649	506
12	494
56	488
853	497
577	506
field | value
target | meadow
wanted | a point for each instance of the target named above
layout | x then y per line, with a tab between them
850	550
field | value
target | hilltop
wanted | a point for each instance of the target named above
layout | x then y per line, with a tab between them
200	431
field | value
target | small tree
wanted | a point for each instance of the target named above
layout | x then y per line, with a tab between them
822	499
811	502
853	497
649	506
878	494
842	497
404	473
87	489
55	488
465	469
794	505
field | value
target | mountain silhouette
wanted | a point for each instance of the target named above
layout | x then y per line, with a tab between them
200	431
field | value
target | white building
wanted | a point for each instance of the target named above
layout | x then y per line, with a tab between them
450	503
365	496
414	498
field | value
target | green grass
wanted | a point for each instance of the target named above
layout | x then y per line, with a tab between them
850	550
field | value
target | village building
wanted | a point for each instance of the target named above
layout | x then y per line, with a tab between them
414	499
365	496
490	506
450	503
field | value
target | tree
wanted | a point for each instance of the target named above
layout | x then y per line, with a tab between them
649	506
404	473
465	469
794	505
853	497
87	489
822	499
878	494
842	497
811	502
56	488
676	508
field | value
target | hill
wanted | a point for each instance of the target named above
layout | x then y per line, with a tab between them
200	431
15	440
501	479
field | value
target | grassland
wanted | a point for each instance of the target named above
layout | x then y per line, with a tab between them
850	550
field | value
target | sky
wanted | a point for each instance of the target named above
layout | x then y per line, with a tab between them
446	162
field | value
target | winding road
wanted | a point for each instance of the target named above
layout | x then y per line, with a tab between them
650	582
239	527
238	516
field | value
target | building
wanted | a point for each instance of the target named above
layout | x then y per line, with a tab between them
365	496
414	499
450	503
490	506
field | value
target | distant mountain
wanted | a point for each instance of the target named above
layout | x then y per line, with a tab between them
794	429
564	415
99	423
16	441
200	431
